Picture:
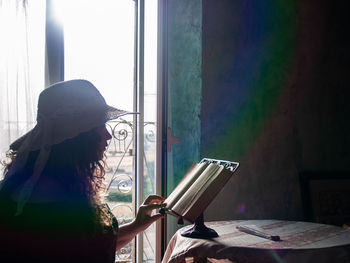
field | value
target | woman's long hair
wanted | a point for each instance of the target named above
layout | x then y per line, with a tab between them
75	163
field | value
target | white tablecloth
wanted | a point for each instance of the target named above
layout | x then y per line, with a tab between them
300	242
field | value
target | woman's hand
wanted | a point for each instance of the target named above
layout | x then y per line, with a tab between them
144	218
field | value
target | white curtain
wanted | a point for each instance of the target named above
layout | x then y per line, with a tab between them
22	66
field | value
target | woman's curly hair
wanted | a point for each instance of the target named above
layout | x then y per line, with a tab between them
76	163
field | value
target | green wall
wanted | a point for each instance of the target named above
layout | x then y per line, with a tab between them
184	84
184	90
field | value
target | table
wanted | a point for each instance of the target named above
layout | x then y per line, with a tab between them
300	242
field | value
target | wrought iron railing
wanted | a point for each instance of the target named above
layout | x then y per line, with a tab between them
120	158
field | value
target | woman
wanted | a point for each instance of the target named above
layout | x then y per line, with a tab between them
50	198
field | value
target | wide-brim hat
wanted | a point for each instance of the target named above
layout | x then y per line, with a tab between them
65	110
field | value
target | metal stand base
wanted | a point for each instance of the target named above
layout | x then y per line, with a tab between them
199	230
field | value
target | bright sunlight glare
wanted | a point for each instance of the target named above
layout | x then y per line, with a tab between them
99	45
99	38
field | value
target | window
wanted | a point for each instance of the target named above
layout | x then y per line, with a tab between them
114	45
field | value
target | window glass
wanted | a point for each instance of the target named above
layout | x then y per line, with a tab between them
22	67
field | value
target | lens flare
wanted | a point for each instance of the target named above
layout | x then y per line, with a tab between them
240	209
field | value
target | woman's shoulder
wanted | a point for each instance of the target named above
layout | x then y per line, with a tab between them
49	200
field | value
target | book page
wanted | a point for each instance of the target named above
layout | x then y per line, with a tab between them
207	193
195	190
184	184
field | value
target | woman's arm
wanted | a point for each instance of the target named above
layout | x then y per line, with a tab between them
143	220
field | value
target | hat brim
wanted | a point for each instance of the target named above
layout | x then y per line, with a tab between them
114	113
111	114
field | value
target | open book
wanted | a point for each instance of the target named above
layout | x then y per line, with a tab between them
198	188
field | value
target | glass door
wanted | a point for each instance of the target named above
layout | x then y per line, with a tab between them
113	44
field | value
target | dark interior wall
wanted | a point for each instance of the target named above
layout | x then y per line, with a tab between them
274	97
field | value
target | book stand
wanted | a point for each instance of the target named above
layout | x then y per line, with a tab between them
199	230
